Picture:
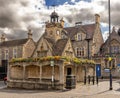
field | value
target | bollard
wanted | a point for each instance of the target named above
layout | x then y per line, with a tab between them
97	80
88	79
84	80
93	80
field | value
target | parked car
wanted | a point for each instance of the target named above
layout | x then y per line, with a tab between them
5	80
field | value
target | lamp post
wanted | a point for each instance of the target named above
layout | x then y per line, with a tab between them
88	54
110	46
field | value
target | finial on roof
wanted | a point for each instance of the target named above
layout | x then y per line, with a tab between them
62	22
29	33
97	18
113	30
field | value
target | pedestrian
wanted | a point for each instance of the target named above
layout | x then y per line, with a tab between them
97	80
93	79
88	79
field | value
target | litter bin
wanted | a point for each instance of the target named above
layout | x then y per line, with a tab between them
70	82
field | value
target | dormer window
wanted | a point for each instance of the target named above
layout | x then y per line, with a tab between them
41	47
79	37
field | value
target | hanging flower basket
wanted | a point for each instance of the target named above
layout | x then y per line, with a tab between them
55	58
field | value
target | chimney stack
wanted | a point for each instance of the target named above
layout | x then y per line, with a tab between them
97	18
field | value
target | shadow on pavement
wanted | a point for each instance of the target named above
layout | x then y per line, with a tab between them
103	92
26	91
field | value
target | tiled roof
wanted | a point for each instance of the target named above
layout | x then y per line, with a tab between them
88	29
13	43
113	36
59	46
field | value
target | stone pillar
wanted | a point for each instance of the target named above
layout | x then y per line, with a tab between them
40	73
24	68
61	68
8	72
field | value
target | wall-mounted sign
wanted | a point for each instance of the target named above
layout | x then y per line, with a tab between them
106	70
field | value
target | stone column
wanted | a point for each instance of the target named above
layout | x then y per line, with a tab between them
24	68
8	72
61	68
40	73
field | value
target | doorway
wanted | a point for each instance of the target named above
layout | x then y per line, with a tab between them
69	71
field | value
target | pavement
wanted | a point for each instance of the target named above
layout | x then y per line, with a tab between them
82	91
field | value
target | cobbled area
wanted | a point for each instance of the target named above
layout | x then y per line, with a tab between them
82	91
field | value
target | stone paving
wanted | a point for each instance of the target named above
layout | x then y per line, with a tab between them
81	91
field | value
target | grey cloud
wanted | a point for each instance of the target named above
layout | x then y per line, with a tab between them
81	16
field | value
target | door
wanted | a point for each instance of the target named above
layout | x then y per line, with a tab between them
98	70
69	71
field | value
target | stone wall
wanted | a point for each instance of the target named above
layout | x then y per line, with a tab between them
28	48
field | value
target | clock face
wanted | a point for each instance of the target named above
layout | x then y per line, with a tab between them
58	32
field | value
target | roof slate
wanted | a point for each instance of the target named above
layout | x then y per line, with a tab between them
89	29
57	47
13	43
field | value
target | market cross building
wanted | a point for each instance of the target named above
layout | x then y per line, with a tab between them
59	52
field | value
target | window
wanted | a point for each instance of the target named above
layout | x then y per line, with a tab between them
80	52
0	54
42	53
69	53
79	37
115	49
6	54
14	52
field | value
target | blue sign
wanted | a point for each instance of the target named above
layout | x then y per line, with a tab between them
118	64
98	70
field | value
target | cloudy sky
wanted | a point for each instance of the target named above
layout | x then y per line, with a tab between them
16	16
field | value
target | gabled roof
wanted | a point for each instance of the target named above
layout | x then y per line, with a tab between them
13	42
113	36
57	47
88	29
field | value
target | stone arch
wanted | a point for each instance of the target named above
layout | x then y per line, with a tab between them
47	72
80	72
16	72
32	71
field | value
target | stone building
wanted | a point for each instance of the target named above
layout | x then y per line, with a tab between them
83	35
110	54
20	48
56	56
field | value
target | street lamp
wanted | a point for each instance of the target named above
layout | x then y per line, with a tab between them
88	41
110	46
